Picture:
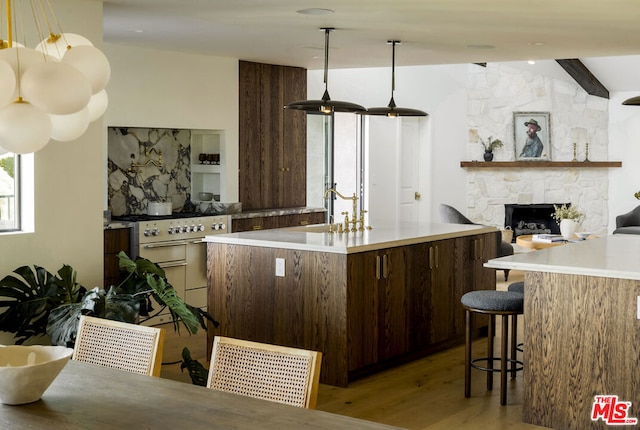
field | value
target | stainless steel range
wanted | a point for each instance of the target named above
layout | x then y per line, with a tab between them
176	245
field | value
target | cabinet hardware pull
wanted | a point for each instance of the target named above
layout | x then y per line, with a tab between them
174	264
430	258
165	244
385	266
377	267
257	227
304	222
437	257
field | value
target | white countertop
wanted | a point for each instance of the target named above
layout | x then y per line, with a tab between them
315	237
616	256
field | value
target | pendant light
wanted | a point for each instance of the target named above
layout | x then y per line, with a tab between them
326	105
392	110
633	101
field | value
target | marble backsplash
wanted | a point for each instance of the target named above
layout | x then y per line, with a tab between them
153	165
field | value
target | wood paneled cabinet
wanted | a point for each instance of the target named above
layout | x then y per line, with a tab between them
365	311
115	240
272	140
277	221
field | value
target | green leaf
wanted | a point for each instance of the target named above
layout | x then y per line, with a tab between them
198	373
63	324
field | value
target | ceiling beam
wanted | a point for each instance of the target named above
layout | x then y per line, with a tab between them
584	77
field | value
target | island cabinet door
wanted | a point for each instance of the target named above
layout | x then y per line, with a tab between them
440	261
471	252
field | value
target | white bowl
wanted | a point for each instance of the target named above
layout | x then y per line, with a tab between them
27	371
583	234
205	196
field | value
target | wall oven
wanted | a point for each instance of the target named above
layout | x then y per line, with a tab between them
176	245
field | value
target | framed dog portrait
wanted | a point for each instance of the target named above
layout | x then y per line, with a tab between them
532	136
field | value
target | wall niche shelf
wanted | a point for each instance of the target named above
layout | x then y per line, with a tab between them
538	164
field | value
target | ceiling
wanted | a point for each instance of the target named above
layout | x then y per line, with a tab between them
431	31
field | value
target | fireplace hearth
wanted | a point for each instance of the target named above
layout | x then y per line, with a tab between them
531	219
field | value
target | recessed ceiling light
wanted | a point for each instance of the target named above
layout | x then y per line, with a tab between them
315	11
537	43
479	46
531	62
136	30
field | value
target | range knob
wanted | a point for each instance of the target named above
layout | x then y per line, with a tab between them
215	226
155	231
147	232
194	228
200	227
223	226
170	231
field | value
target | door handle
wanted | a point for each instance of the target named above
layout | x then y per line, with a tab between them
417	196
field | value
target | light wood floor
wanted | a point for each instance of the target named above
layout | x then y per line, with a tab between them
424	394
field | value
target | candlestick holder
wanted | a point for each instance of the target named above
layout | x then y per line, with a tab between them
586	156
574	152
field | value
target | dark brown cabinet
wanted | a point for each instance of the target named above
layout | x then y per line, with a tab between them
276	221
115	240
365	311
272	140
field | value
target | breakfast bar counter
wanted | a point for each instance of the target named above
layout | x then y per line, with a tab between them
582	332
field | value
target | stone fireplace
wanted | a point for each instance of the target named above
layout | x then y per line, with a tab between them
531	218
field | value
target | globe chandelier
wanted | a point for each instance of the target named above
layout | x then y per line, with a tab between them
52	91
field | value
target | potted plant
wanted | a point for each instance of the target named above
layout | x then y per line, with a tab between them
36	302
568	217
489	146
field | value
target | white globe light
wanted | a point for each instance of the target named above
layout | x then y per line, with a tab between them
92	63
69	127
23	128
97	105
57	48
28	58
8	80
56	88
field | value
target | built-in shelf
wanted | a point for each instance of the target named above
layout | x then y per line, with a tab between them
539	164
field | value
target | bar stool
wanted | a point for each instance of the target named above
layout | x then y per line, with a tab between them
492	303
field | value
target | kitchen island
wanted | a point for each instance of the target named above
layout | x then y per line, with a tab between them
582	332
367	300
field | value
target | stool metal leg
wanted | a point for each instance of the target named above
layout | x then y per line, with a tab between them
503	360
514	345
467	354
490	338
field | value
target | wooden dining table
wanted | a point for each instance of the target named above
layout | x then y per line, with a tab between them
86	396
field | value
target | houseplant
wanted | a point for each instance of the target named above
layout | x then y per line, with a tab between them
568	217
36	302
490	145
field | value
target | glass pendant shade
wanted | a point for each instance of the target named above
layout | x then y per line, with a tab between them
57	45
97	105
23	128
92	63
391	110
325	105
56	88
8	86
633	101
65	128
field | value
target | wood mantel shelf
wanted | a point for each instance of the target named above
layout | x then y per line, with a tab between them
539	164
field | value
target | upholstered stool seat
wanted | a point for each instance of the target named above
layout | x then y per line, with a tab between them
492	303
517	287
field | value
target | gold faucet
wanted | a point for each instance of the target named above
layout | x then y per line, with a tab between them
354	217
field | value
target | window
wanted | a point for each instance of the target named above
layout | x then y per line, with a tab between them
9	192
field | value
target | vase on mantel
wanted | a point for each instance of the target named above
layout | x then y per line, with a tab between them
568	228
488	155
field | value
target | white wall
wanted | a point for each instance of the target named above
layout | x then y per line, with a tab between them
68	186
174	90
439	91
